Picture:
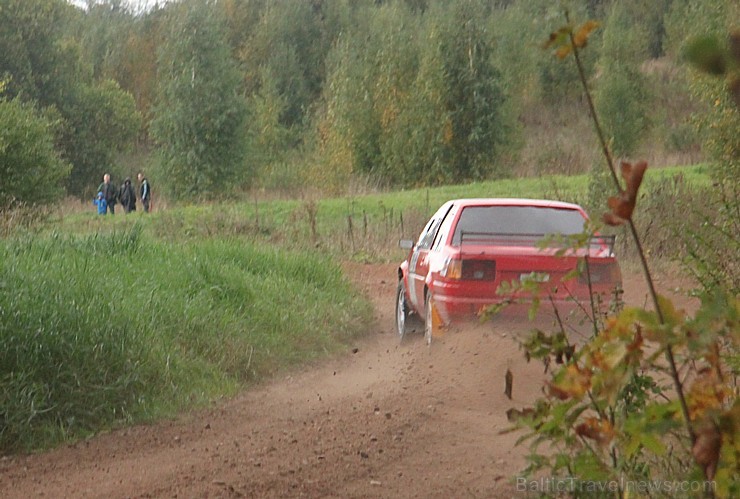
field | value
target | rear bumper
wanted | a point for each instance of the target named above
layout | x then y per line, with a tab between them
454	308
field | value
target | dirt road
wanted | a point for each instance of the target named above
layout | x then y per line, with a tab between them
382	420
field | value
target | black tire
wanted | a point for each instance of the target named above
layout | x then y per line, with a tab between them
402	312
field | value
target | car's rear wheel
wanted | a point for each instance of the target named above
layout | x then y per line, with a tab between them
402	311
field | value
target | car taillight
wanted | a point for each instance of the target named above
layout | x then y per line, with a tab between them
470	270
601	273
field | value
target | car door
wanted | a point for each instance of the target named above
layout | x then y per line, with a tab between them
419	263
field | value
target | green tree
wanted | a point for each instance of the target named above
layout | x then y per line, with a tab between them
42	60
395	55
350	128
418	143
101	121
718	121
622	96
413	98
289	38
33	50
31	170
199	118
269	138
473	95
122	46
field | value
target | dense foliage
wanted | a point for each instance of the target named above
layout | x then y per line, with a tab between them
41	62
112	327
30	168
649	396
219	95
200	115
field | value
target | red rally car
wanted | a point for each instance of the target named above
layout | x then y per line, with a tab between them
471	246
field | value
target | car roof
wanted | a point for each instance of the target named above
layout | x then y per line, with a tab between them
544	203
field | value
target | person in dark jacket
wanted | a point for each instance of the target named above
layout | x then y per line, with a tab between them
110	193
145	192
127	196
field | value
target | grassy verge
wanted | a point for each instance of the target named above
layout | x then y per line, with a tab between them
101	329
367	227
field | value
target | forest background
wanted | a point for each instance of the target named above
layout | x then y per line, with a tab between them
212	98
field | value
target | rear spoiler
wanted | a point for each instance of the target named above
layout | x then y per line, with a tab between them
537	240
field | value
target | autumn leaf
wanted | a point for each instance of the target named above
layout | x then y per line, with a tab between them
563	51
707	393
623	205
596	429
581	37
560	40
611	354
706	448
571	382
565	40
557	38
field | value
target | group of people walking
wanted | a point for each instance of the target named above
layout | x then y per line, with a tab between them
108	196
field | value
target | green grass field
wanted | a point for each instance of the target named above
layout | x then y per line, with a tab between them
109	328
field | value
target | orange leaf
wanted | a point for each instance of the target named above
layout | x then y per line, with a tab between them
563	51
571	382
612	219
637	343
623	205
596	429
707	393
633	176
620	206
581	37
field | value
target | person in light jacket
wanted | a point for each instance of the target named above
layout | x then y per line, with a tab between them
145	192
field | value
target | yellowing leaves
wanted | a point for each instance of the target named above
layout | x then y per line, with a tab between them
571	382
563	51
580	38
596	429
707	393
566	38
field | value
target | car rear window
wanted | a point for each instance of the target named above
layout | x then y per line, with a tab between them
517	221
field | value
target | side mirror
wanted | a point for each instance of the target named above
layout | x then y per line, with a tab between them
406	244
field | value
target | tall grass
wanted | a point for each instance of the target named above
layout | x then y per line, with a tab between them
367	227
112	327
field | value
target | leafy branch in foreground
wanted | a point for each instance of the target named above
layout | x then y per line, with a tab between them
649	398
